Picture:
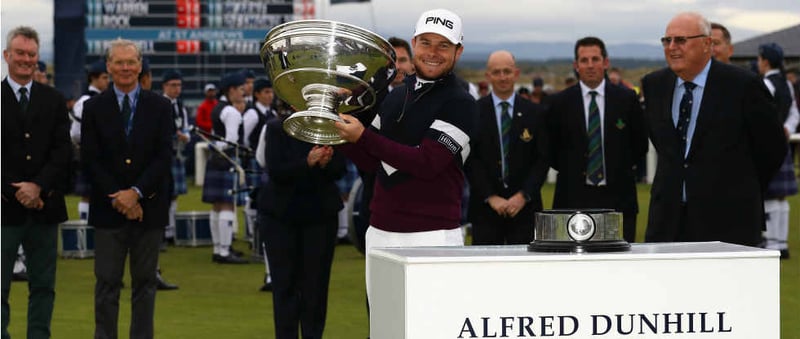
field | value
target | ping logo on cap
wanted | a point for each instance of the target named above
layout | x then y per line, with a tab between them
437	20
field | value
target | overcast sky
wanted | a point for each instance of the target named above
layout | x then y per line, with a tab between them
615	21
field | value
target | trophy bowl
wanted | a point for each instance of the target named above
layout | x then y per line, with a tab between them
586	230
322	68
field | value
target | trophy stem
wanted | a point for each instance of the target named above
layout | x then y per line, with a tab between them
324	98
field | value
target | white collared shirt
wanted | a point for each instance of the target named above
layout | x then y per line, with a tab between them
16	86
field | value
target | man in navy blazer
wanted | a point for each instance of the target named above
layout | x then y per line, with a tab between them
299	206
505	189
621	139
126	149
36	152
708	186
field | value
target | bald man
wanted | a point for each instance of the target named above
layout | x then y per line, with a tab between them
508	164
718	139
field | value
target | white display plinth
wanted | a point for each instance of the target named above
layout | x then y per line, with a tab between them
667	290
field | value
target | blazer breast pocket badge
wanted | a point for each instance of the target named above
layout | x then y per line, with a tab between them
620	124
526	135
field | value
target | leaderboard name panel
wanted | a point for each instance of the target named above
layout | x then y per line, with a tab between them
203	39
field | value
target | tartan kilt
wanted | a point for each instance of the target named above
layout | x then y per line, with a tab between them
254	171
82	186
217	183
784	183
178	177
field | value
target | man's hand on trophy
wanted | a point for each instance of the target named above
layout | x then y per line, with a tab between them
327	155
350	129
314	155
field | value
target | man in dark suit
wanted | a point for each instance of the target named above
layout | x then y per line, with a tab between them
508	163
299	206
126	149
718	139
597	137
36	152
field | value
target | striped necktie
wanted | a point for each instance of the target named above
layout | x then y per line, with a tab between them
126	114
594	167
505	127
23	99
685	114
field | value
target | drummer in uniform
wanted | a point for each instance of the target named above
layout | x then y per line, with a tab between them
219	179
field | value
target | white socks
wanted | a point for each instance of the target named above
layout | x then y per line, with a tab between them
169	231
342	231
83	210
227	220
213	221
250	215
777	232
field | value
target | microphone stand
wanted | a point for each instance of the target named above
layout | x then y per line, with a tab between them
208	136
236	167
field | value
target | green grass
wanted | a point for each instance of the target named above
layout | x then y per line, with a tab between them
223	301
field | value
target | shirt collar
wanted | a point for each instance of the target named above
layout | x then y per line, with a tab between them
601	88
510	100
771	72
132	94
700	79
422	83
171	100
263	108
16	86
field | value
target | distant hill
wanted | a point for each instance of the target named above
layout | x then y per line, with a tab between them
542	51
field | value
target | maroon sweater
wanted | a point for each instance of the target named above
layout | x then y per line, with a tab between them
417	151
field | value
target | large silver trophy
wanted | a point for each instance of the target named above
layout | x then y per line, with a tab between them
322	68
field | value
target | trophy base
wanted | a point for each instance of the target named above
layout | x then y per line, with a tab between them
314	127
570	246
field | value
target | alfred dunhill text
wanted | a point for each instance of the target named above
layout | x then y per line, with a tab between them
612	325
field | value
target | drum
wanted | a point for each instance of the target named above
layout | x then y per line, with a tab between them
192	229
77	239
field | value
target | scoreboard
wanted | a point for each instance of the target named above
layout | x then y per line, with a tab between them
203	39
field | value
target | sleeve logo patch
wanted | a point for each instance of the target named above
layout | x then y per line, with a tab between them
449	143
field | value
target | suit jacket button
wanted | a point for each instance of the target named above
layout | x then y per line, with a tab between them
27	157
685	165
27	135
128	161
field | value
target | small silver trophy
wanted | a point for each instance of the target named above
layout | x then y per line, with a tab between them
587	230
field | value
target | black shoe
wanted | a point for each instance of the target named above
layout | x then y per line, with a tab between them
785	254
235	251
19	276
216	257
266	288
267	284
345	240
163	285
231	259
